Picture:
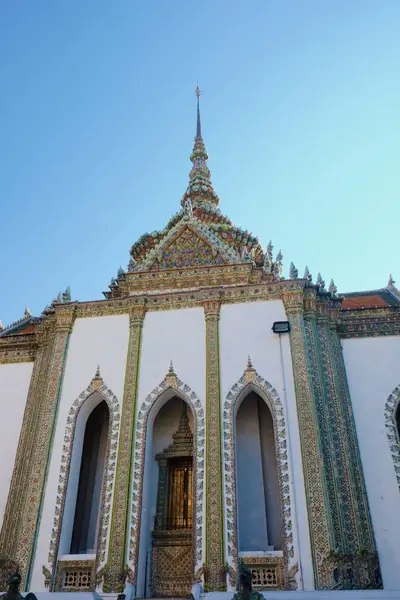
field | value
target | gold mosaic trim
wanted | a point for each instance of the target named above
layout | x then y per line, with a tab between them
215	576
26	545
17	349
191	296
319	534
363	517
274	564
22	464
115	570
96	386
85	570
171	382
251	381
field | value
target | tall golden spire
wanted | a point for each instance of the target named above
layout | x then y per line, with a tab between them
200	188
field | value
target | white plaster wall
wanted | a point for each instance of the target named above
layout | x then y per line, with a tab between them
177	335
95	341
14	387
373	371
245	329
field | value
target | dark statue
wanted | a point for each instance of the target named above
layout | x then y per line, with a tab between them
13	589
245	585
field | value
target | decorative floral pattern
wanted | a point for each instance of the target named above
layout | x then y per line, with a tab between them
188	250
251	381
96	386
392	431
187	394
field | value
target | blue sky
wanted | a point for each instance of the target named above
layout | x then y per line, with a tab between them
300	115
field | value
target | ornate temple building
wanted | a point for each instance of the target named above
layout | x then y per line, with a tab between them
208	413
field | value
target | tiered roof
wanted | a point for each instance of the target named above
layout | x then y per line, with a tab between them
199	235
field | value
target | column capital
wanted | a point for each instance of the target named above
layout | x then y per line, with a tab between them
136	315
44	331
293	301
65	320
334	312
212	307
322	308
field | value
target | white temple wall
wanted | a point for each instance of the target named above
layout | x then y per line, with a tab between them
95	341
177	335
373	371
14	387
245	329
180	336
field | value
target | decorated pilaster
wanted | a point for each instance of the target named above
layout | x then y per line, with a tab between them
9	537
41	451
323	426
365	557
345	525
214	571
116	570
310	443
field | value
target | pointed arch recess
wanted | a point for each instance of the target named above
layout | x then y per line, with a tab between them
251	381
392	432
171	382
98	386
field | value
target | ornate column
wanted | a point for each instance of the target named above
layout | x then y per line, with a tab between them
214	571
41	449
314	474
366	558
23	461
323	425
116	571
334	425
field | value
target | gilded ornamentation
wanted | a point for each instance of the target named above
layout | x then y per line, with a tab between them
188	250
391	407
18	489
187	394
96	386
115	571
75	576
268	573
331	416
43	444
366	539
172	560
251	381
215	573
313	472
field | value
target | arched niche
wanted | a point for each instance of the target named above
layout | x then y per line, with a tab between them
171	387
95	394
251	383
258	502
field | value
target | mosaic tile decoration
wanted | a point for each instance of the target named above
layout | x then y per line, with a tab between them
99	387
250	381
184	392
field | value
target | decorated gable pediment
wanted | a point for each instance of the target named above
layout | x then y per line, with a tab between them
188	249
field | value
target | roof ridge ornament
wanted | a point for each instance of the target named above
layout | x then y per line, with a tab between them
293	272
392	288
